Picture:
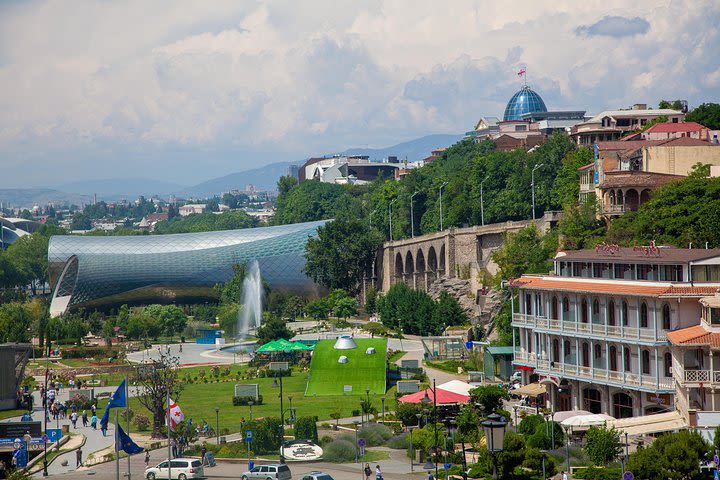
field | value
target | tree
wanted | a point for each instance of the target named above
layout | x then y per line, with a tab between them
319	309
371	298
346	307
15	322
285	184
489	397
673	455
512	456
342	253
448	311
526	251
153	386
566	187
409	310
673	105
310	201
306	428
534	462
273	328
602	445
580	226
706	114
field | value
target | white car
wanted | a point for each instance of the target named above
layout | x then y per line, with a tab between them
180	468
317	476
273	471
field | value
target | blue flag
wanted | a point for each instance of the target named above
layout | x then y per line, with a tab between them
117	399
125	443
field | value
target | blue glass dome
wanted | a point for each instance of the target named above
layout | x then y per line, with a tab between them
524	101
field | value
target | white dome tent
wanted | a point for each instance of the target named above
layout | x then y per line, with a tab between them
345	342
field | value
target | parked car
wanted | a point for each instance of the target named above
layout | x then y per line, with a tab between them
180	468
317	476
275	471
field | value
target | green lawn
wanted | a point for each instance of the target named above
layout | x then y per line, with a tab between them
328	377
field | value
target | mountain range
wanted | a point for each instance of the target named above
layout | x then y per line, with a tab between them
264	178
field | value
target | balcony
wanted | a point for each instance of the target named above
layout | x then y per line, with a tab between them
596	375
698	377
601	331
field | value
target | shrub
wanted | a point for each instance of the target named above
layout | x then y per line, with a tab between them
356	412
266	372
142	422
606	473
306	428
375	434
339	451
243	401
265	434
127	414
324	440
529	424
400	442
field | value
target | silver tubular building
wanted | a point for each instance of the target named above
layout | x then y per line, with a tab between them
101	271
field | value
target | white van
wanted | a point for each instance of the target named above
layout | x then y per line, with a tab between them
180	468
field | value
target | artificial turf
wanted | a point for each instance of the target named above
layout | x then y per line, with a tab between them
363	372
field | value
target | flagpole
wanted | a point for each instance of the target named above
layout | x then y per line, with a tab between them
117	442
168	431
127	418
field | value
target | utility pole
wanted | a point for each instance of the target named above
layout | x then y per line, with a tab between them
412	215
482	203
532	186
440	190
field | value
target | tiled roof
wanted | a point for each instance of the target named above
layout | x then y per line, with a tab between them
686	142
692	291
587	167
628	144
669	127
635	254
637	179
696	335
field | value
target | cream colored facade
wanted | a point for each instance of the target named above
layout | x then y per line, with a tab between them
678	160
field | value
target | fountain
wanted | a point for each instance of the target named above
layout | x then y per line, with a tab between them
251	300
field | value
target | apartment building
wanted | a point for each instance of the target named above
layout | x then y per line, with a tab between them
623	331
613	124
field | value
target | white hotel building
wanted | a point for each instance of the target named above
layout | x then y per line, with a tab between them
624	331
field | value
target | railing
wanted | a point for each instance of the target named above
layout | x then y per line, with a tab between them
609	331
595	374
615	208
696	376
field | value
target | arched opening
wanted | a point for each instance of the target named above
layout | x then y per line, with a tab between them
645	196
643	315
622	405
420	262
568	353
442	258
611	313
566	306
528	304
667	364
624	313
631	199
666	317
619	198
564	396
409	264
586	354
592	400
398	265
596	310
432	260
611	198
556	351
646	362
584	312
554	308
613	358
627	367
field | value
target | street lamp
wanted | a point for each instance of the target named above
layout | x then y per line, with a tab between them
282	413
515	409
426	399
440	190
543	453
250	403
217	426
412	215
382	400
532	185
494	428
390	216
482	203
356	441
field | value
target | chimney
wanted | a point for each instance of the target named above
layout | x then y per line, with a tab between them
640	106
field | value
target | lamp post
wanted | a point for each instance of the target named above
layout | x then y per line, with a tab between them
627	447
250	403
45	407
412	215
532	186
217	426
426	399
515	409
356	441
412	453
367	404
282	413
567	448
543	452
440	190
494	428
290	409
482	203
390	217
382	401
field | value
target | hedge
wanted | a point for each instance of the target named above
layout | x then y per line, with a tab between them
244	401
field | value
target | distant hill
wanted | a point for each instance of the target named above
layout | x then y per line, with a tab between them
115	188
265	178
27	197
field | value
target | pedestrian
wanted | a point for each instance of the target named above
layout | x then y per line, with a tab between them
181	348
93	408
103	429
430	475
147	458
78	457
378	473
173	445
564	475
73	419
368	471
93	422
84	418
203	451
3	473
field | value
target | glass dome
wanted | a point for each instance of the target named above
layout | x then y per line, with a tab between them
524	101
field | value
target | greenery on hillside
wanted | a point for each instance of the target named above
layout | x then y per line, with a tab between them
209	221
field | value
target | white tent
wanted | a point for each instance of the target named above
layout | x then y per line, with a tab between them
587	420
457	386
560	416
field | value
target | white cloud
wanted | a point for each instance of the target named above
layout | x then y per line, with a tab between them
158	85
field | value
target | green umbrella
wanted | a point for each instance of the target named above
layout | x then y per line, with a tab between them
271	346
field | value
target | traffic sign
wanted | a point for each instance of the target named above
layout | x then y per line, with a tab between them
628	475
54	434
468	345
248	435
715	475
716	460
447	466
45	438
361	442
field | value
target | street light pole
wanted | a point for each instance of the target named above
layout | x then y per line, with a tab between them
440	190
532	186
217	426
390	217
412	453
382	400
435	426
482	203
281	433
412	215
45	402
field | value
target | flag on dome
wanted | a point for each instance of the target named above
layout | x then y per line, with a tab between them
176	415
521	72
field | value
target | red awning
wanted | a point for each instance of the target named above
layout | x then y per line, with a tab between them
523	367
444	397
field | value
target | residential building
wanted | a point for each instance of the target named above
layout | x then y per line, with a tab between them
149	221
613	124
617	330
191	208
342	169
669	130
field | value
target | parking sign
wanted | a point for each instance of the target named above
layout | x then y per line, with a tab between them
248	435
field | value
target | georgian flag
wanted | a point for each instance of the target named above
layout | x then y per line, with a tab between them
176	415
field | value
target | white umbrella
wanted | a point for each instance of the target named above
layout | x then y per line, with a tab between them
587	420
560	416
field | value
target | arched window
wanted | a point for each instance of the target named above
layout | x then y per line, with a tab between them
528	304
646	362
628	360
611	313
554	313
622	405
597	351
624	313
592	400
668	364
584	313
586	354
643	315
613	358
567	350
556	351
596	307
566	305
666	317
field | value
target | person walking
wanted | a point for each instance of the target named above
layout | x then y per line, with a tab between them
378	473
93	422
147	458
368	471
430	475
73	419
84	418
103	429
173	446
203	452
78	457
564	475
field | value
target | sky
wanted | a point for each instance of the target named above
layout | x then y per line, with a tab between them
184	91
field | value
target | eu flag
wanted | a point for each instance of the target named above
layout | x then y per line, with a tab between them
125	443
117	399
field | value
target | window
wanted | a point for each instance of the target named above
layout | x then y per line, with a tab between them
613	359
646	362
666	317
584	313
566	305
598	351
611	313
566	346
586	354
163	465
624	313
556	351
554	313
715	316
643	315
592	400
596	308
178	464
528	304
628	360
668	364
622	405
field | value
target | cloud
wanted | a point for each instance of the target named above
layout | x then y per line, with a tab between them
615	26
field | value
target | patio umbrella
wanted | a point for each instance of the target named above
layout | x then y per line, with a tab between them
269	347
587	420
560	416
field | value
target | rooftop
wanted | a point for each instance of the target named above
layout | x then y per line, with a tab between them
634	113
612	287
639	253
696	335
670	127
629	178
